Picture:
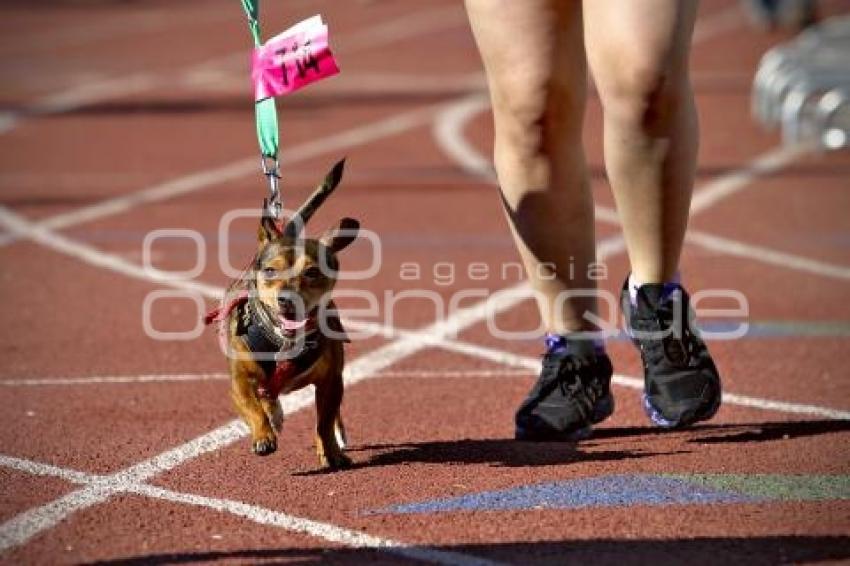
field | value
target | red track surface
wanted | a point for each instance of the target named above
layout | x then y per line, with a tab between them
429	423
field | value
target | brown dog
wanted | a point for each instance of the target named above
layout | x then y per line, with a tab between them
282	331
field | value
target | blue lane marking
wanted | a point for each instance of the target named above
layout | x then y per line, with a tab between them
606	491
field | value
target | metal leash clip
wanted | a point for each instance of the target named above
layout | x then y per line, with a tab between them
271	169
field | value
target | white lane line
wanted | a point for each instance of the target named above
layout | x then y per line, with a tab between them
409	26
254	513
83	95
325	531
362	84
40	469
403	28
362	368
406	346
20	529
785	407
496	302
452	373
196	377
766	255
63	182
94	30
448	131
449	135
21	227
765	164
23	527
532	364
259	515
729	246
406	27
393	125
109	379
426	22
370	83
347	139
528	366
232	431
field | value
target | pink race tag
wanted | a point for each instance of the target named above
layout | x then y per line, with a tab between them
293	59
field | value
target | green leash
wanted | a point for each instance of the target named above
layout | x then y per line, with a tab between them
266	119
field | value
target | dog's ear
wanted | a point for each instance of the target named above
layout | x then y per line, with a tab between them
341	235
268	230
322	192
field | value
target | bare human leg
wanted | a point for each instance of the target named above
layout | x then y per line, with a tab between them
534	58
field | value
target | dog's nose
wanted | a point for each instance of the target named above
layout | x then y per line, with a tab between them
286	304
291	306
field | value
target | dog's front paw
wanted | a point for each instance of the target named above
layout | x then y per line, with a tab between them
264	446
335	461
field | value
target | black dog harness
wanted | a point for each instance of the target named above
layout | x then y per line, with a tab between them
282	355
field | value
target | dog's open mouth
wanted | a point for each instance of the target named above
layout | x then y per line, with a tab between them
288	316
292	324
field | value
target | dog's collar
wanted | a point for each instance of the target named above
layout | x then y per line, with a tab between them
258	316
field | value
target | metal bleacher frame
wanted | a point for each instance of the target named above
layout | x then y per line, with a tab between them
804	86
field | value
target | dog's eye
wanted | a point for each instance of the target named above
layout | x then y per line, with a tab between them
312	273
271	273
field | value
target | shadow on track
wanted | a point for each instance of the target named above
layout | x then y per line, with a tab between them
497	452
729	433
763	432
511	453
616	552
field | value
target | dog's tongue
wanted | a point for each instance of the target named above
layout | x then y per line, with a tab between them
292	324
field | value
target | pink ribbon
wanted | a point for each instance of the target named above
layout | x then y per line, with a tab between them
292	60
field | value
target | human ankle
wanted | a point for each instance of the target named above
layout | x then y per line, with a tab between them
669	287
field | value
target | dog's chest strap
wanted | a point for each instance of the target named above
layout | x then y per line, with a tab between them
277	370
285	371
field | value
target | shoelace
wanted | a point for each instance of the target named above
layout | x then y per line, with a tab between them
685	347
679	344
566	373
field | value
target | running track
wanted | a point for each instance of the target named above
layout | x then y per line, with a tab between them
118	119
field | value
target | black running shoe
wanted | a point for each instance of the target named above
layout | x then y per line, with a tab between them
681	383
572	393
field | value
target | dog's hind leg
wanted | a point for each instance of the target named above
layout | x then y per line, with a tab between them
328	401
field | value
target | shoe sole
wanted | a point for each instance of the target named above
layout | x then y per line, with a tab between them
603	409
699	415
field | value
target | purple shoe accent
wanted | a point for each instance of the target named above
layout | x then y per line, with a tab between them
557	344
670	287
654	415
